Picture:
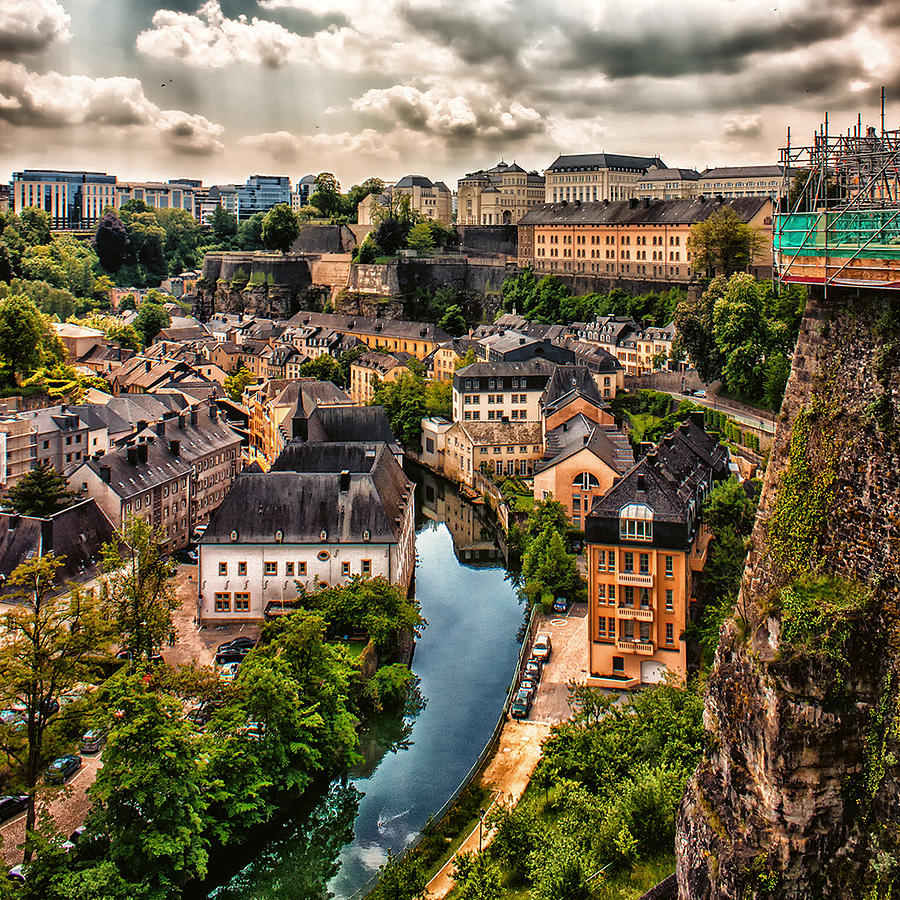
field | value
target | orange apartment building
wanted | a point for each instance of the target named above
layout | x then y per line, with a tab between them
646	542
645	239
371	368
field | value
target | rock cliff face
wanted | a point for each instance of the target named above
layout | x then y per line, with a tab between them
796	796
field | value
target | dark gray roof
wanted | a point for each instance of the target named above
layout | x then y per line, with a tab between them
662	174
75	535
304	504
328	456
350	423
604	161
673	475
398	328
746	172
489	369
567	383
651	212
408	181
580	433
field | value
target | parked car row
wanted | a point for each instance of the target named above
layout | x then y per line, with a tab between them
531	676
234	651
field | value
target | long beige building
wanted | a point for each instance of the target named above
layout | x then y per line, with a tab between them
430	199
498	196
596	176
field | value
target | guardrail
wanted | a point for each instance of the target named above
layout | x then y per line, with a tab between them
489	748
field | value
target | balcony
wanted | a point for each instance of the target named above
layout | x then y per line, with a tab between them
633	579
635	647
641	613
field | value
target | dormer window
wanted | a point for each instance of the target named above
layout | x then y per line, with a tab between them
636	522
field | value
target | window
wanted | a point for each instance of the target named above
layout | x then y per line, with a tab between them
601	592
271	568
628	628
241	601
585	481
611	561
366	567
629	595
670	633
345	569
618	663
644	596
636	522
628	562
601	560
223	601
223	568
242	568
301	568
644	563
288	568
670	566
670	600
601	627
611	592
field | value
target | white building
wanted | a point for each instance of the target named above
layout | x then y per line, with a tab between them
324	513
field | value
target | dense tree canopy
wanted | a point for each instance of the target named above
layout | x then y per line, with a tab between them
280	228
41	492
723	243
22	334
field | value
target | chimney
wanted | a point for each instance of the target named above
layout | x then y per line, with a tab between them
181	421
175	447
132	455
521	341
142	452
105	474
161	428
646	203
214	413
345	481
193	415
645	448
141	424
585	438
632	203
14	521
46	535
147	365
640	481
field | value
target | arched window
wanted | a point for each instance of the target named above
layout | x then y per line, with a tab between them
585	481
636	522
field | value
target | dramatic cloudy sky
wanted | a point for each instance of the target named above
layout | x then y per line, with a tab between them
224	88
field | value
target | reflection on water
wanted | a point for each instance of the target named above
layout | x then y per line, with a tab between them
414	762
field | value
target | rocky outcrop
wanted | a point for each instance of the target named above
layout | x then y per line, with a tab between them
796	795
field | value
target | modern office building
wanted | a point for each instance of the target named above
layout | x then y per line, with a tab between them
72	199
261	193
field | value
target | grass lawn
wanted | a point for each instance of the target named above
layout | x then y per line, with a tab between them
523	502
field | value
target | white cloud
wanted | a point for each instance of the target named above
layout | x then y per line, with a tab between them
742	126
316	150
27	26
53	100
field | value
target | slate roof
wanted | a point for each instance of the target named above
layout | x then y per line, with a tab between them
207	436
303	504
350	423
395	328
603	161
670	175
566	383
724	172
650	212
674	475
580	433
503	432
408	181
382	362
488	369
75	534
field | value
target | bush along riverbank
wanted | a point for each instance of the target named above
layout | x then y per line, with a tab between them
193	764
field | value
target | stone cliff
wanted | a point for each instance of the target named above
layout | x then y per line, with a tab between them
796	796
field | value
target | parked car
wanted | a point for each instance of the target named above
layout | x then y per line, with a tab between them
242	645
62	769
92	741
532	670
530	685
700	393
17	873
521	705
186	557
12	806
229	671
542	647
560	605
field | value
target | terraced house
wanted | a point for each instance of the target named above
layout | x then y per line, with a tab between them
646	542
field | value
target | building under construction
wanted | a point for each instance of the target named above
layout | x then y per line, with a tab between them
839	223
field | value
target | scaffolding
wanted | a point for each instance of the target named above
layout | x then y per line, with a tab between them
839	216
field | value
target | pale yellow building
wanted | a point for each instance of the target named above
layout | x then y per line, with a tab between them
371	368
430	199
498	196
596	176
668	184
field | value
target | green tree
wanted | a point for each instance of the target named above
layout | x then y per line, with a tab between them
123	335
439	399
151	319
111	241
775	378
224	225
477	877
403	400
453	321
723	244
22	330
420	239
49	640
742	335
234	384
359	192
138	591
249	234
147	798
401	879
280	228
327	195
324	368
182	238
694	323
35	224
549	569
41	492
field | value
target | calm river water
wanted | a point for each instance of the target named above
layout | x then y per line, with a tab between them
464	660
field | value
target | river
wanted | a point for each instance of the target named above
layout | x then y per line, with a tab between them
464	660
